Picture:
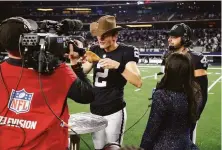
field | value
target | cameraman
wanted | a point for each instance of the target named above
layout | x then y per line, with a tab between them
33	107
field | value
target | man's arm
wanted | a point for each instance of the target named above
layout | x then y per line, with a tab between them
201	78
129	71
128	67
132	74
81	89
200	72
74	57
87	67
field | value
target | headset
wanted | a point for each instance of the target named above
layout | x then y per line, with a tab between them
186	39
29	25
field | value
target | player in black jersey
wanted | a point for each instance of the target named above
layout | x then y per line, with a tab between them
179	41
118	65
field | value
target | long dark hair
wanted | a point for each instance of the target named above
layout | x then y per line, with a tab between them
179	76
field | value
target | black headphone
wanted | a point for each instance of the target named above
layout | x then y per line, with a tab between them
29	25
186	39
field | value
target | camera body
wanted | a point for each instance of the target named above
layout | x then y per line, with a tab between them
44	44
52	43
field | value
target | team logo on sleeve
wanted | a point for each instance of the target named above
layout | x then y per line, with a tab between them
20	101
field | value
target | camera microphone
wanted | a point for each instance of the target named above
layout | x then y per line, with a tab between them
68	25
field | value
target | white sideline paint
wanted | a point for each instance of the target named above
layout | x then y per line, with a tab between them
209	88
147	77
136	90
90	74
213	84
140	66
214	68
144	70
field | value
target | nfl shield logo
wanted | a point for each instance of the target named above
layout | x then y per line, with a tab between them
20	101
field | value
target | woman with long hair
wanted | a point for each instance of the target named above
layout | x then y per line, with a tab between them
174	108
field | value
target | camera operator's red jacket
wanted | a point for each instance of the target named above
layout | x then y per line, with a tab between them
29	122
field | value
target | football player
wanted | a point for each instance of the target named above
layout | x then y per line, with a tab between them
118	64
179	41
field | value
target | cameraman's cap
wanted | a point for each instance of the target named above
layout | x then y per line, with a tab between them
104	25
179	30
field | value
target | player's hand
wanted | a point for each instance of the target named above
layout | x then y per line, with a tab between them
108	63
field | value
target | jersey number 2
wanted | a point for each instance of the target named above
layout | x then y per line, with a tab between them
101	75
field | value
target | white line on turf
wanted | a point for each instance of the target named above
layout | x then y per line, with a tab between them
210	93
209	88
214	68
144	70
147	77
142	66
136	90
213	84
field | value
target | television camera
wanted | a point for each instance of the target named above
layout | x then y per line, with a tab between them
44	45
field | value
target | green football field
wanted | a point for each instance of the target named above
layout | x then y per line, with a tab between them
209	126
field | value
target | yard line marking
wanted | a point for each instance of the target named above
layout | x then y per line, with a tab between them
136	90
144	67
209	73
149	66
210	93
147	77
214	68
213	84
144	70
217	73
195	130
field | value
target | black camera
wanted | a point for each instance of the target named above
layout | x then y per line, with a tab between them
44	44
49	42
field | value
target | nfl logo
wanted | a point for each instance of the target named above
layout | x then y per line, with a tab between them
20	101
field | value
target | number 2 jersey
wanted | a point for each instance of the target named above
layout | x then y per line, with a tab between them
109	83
